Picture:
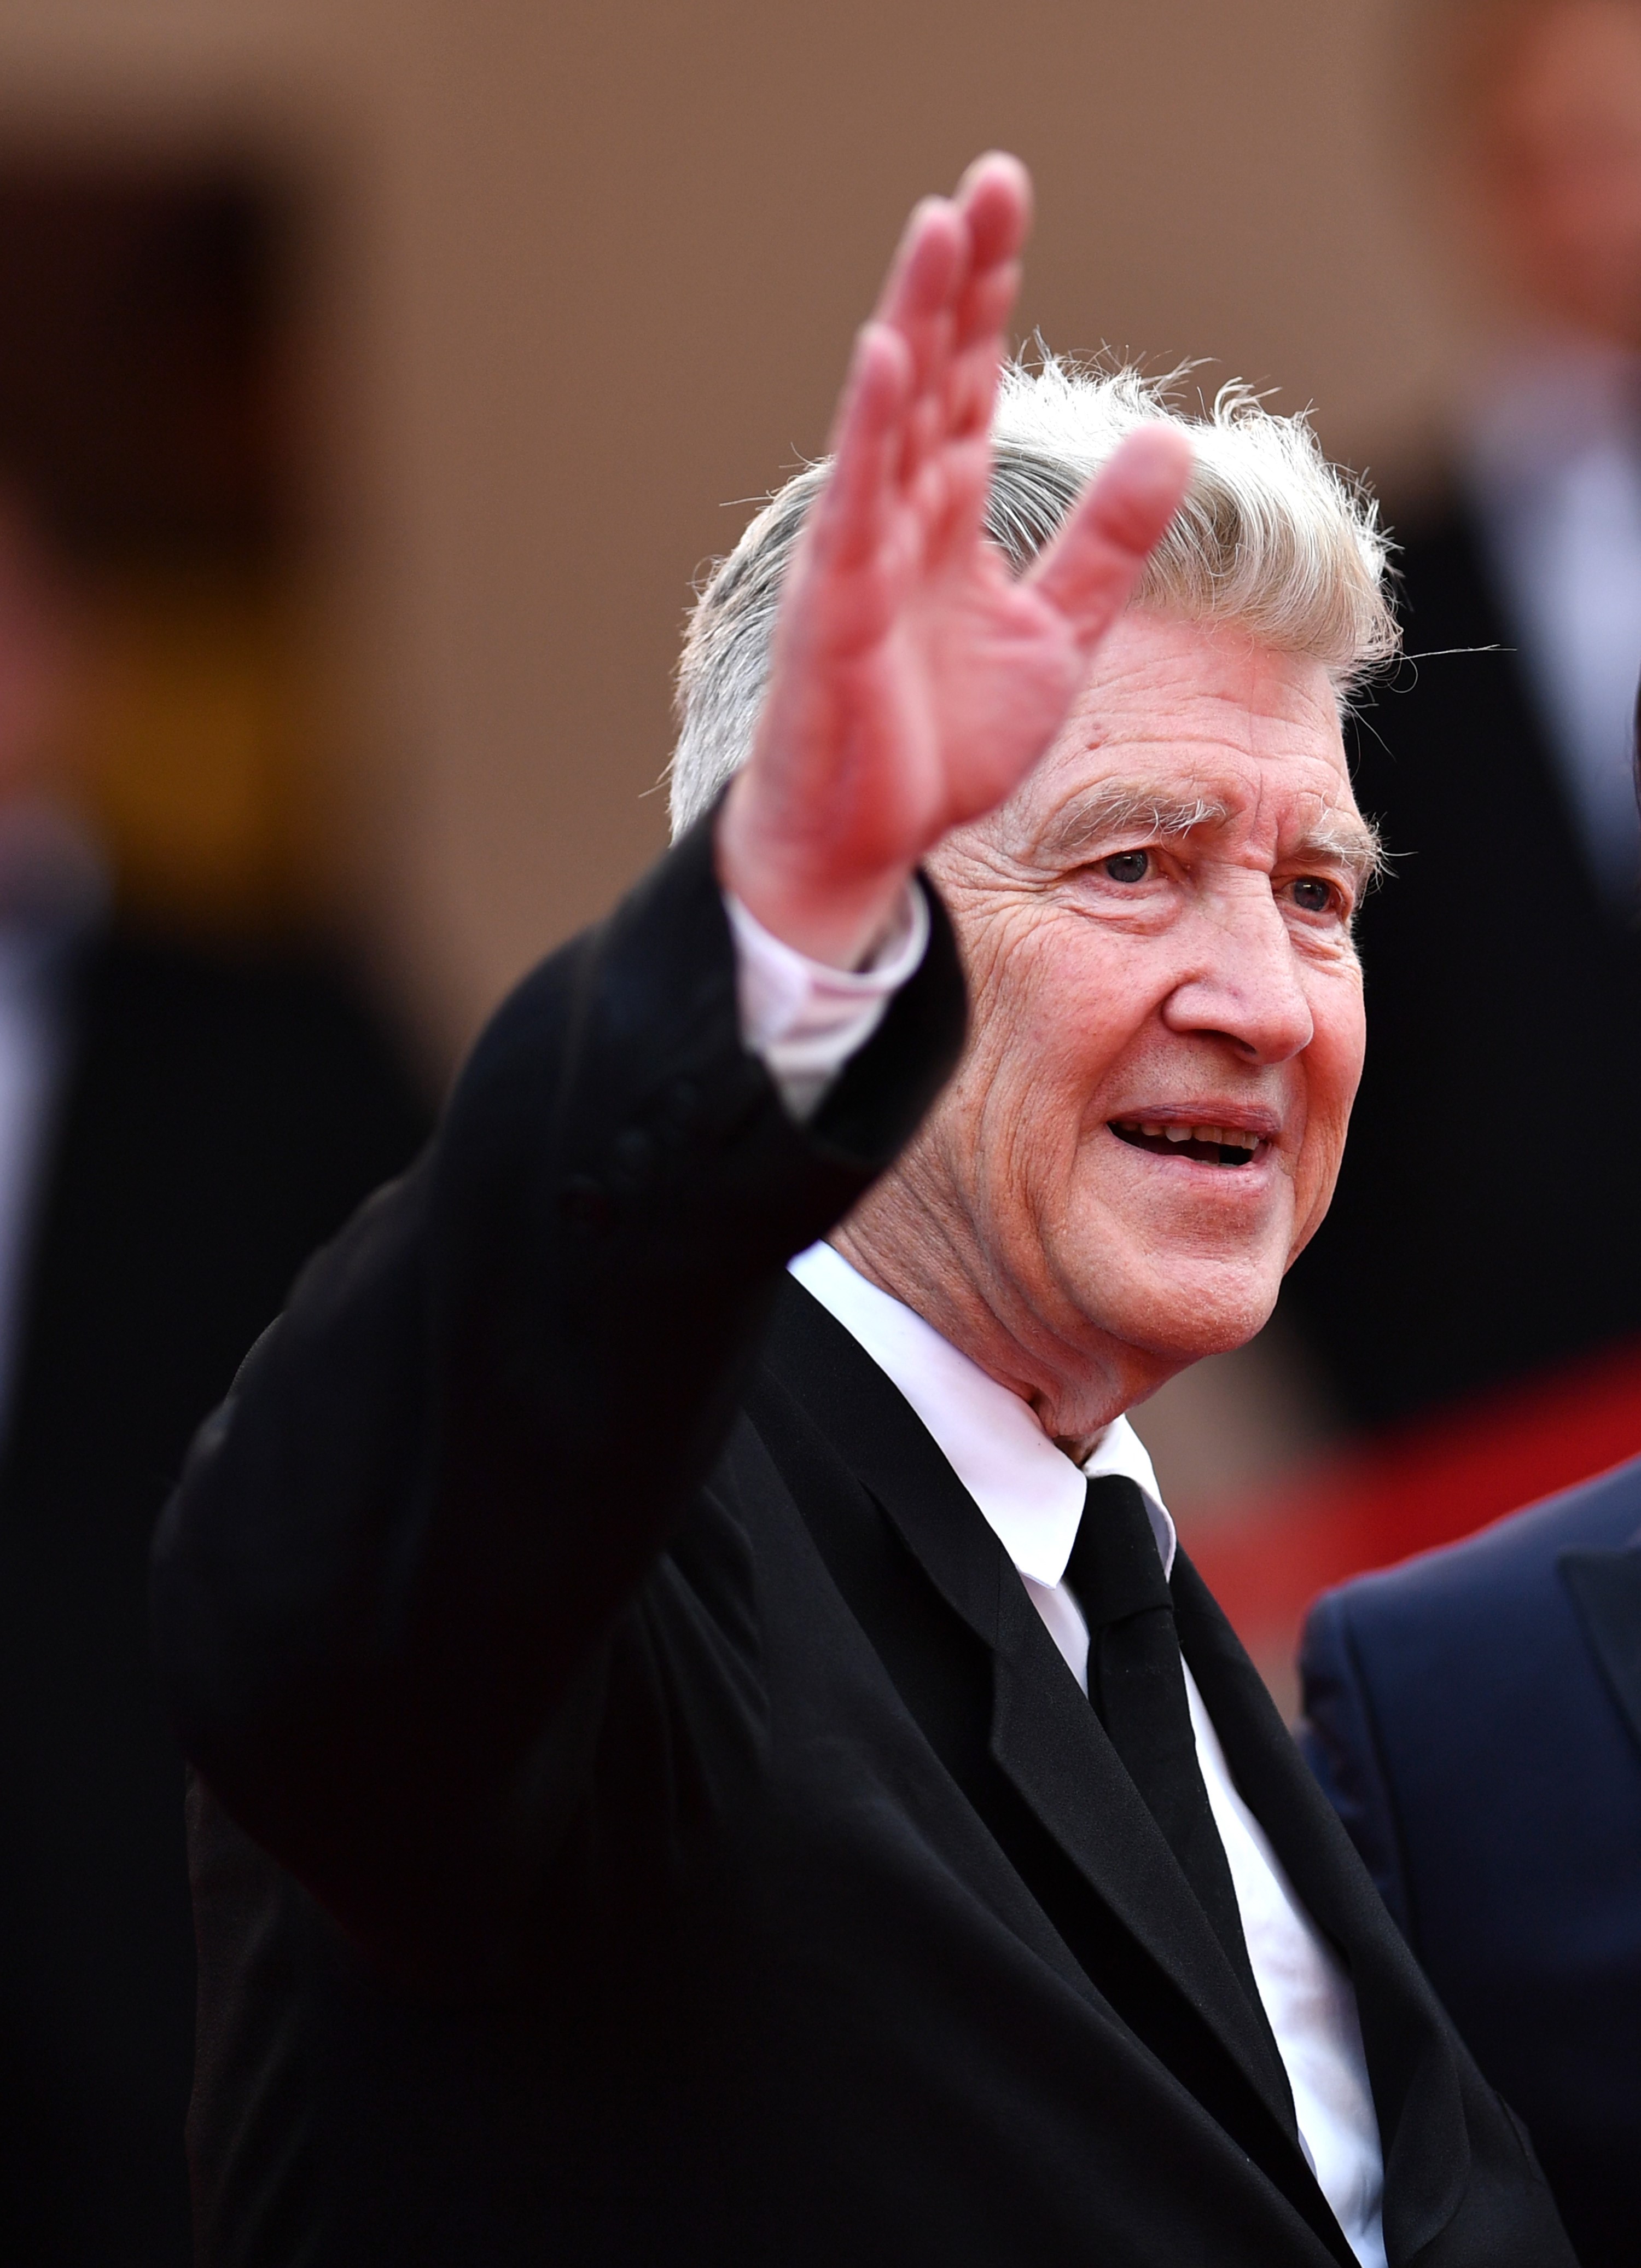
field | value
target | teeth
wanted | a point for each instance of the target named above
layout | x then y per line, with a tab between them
1222	1138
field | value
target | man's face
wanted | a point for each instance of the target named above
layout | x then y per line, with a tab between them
1167	1019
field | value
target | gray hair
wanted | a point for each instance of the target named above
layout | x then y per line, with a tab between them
1270	536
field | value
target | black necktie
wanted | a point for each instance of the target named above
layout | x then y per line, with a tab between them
1136	1684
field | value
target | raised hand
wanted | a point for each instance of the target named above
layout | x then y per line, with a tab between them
915	681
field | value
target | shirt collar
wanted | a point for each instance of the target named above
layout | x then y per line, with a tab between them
1030	1491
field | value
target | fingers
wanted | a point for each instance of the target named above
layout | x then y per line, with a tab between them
994	197
924	281
925	367
929	266
949	243
948	293
867	438
1090	570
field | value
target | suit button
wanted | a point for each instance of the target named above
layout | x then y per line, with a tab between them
585	1202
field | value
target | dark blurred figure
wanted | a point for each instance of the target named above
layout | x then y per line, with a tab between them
1473	1238
178	1131
1475	1716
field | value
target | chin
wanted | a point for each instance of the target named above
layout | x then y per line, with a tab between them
1182	1315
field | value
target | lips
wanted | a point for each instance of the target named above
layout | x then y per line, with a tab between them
1206	1142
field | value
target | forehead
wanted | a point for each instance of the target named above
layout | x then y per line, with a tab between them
1176	714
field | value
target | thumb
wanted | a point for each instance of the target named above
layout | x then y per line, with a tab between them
1090	570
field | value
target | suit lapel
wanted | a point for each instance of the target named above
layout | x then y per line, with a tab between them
1045	1738
1415	2079
1054	1750
1606	1587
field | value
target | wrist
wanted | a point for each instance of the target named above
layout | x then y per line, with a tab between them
838	920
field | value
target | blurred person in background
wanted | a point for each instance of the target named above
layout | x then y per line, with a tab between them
1456	1256
178	1126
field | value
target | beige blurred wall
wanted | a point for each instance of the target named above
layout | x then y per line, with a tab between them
589	272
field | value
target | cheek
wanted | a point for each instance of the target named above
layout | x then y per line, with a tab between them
1052	1015
1333	1071
1342	1025
1044	1035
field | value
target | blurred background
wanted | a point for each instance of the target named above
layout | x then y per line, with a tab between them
374	382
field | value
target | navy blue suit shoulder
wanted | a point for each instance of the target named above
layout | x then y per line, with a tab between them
1466	1713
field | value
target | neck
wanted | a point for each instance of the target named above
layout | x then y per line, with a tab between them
1076	1379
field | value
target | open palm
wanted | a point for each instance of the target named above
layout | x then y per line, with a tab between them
915	680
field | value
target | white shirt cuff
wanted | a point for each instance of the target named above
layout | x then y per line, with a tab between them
804	1019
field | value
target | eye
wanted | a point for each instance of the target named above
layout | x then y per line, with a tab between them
1313	896
1127	866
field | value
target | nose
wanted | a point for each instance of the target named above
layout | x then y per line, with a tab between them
1245	984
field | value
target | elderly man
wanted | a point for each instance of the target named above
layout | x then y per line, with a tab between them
698	1766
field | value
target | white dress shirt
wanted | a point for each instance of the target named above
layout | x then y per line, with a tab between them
807	1021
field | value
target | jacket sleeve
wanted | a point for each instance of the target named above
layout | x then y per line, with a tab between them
1339	1741
442	1473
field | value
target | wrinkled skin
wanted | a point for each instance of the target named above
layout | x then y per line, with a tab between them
1120	972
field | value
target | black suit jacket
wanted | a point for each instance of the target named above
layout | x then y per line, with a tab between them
1476	1717
641	1815
1488	949
217	1114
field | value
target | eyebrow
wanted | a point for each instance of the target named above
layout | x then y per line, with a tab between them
1347	841
1120	807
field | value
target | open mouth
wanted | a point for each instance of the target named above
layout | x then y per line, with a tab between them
1208	1145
